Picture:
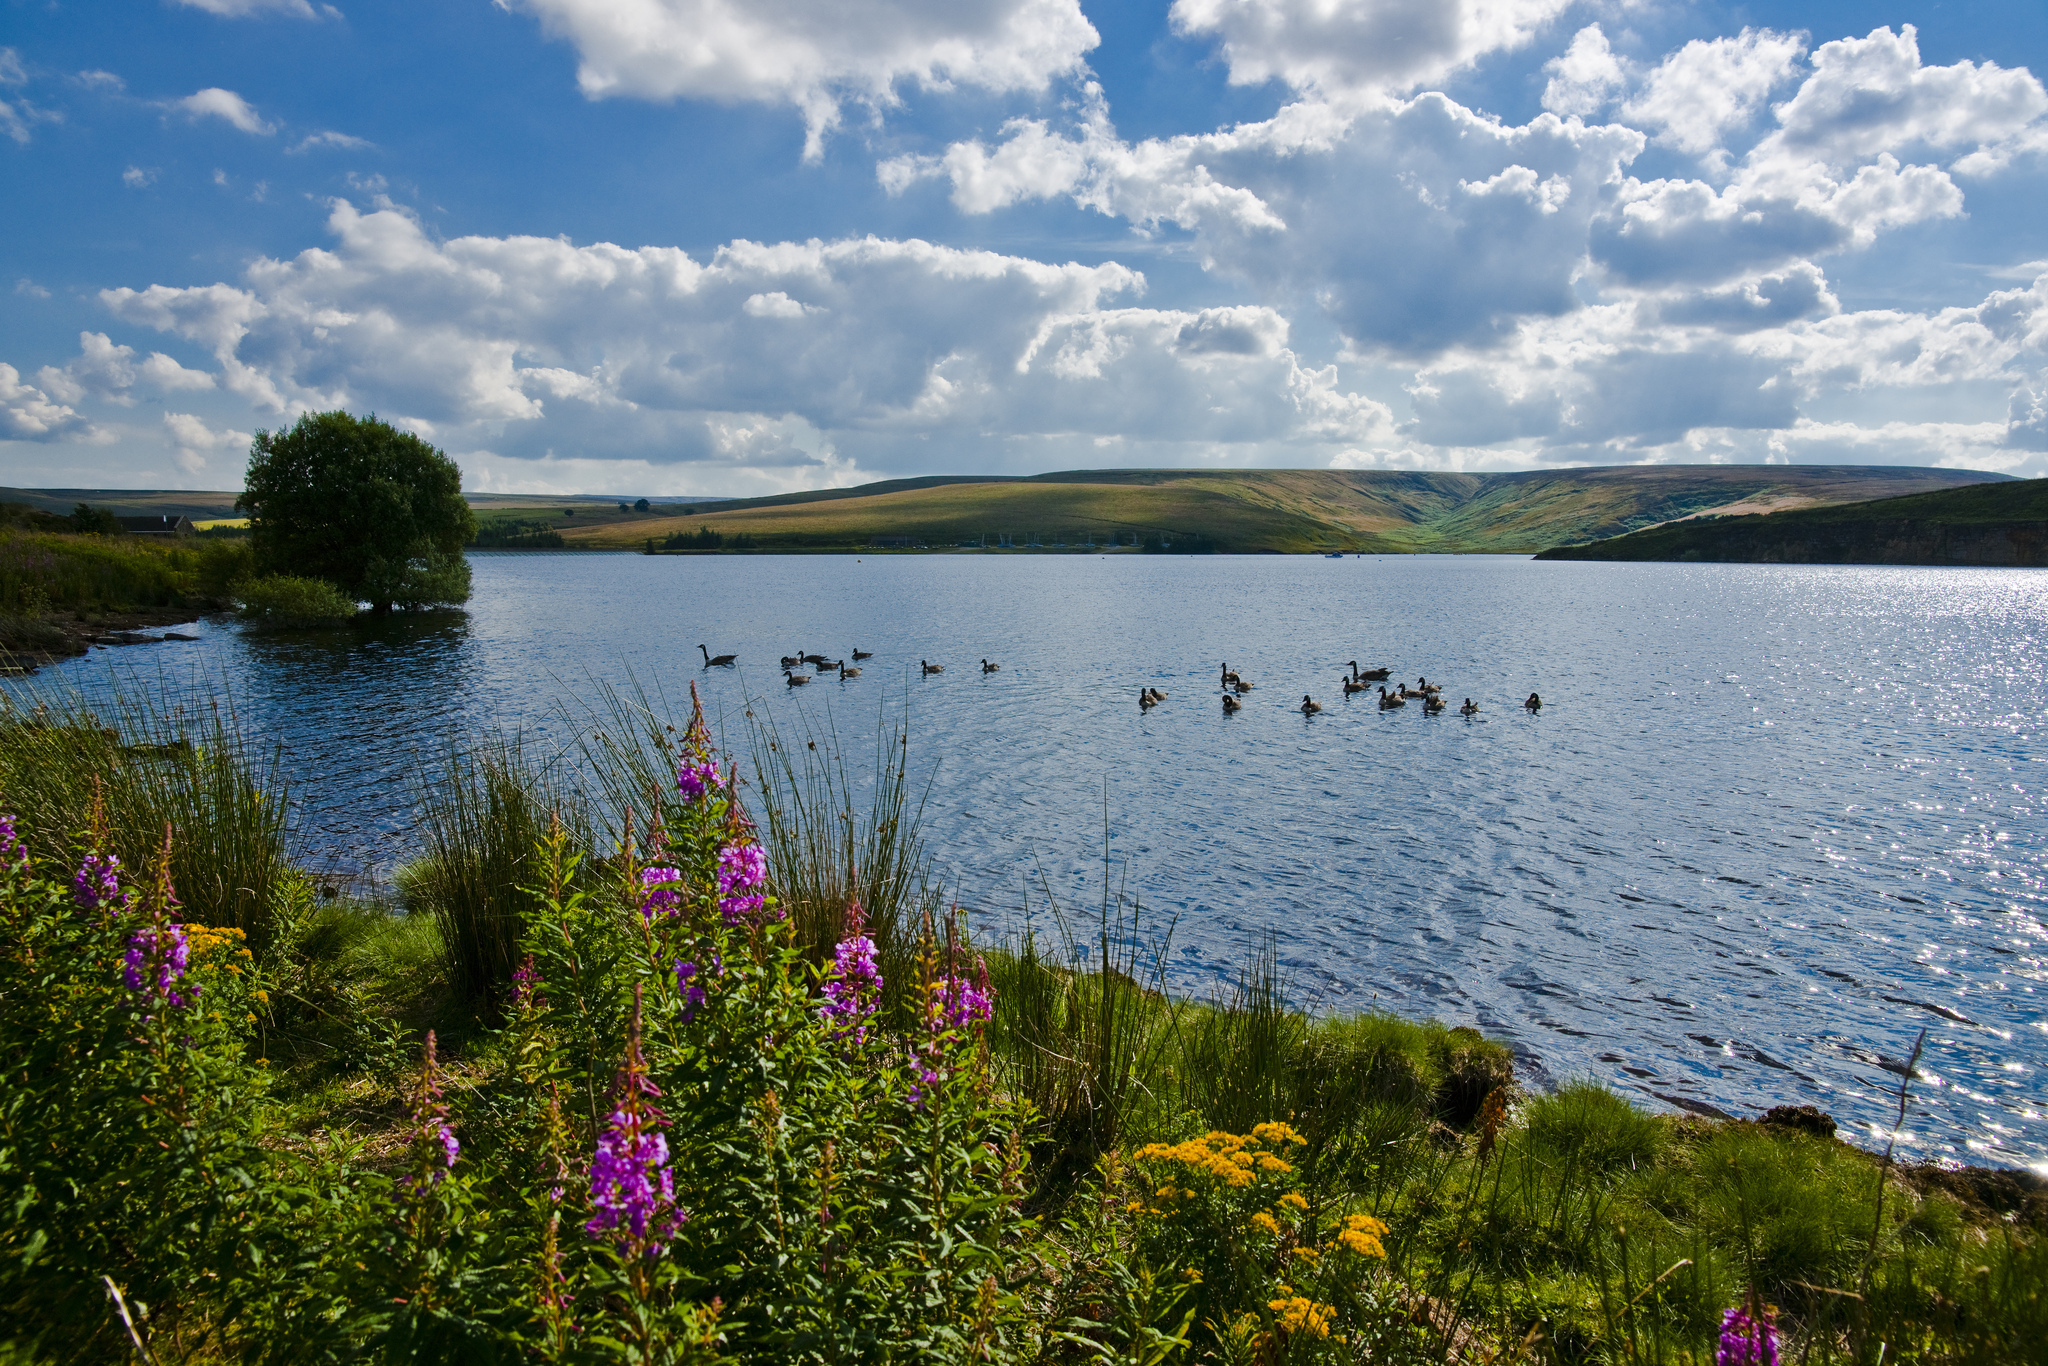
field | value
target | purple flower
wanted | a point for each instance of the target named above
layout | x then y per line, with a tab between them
432	1136
13	853
97	884
1747	1341
692	994
632	1190
661	892
526	986
694	780
155	961
958	1003
740	868
854	988
738	910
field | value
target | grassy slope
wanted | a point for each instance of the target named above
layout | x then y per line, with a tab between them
1278	510
2016	501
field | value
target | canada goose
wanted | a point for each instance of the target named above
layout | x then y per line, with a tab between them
1239	686
1145	700
1534	703
1229	679
846	673
1389	701
1352	685
1158	694
989	668
859	653
1309	706
1470	708
1432	705
1231	704
796	680
818	660
1374	675
930	667
723	661
791	661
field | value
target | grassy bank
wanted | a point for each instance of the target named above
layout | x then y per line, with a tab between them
2001	524
375	1135
57	589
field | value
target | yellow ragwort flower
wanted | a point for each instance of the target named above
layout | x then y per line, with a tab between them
1266	1224
1298	1314
1295	1201
1276	1133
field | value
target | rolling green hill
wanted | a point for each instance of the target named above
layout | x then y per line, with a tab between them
2003	523
1379	511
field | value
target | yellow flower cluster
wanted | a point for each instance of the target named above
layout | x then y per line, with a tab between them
1266	1224
1299	1314
1361	1233
204	940
1232	1159
1294	1201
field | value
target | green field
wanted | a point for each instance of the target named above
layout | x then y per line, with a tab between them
1285	511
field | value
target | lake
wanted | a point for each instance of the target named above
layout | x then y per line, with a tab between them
1771	821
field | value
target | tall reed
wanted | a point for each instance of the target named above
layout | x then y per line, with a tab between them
480	820
154	765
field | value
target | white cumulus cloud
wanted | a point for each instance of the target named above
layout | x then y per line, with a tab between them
1586	78
1360	48
1711	87
216	103
193	442
814	54
29	414
769	361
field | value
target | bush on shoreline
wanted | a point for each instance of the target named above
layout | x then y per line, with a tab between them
286	601
686	1099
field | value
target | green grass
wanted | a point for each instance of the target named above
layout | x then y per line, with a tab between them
44	571
146	769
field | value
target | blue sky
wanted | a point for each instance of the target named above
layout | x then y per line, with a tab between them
705	246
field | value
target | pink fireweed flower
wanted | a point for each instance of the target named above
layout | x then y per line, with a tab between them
155	962
661	892
632	1189
958	1003
742	868
434	1143
97	885
695	780
13	853
1747	1341
526	986
687	988
854	988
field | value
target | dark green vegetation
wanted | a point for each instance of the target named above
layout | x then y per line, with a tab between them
1294	511
1097	1172
374	511
2002	524
60	588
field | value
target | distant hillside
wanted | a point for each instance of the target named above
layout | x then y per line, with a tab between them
1374	511
199	504
1983	524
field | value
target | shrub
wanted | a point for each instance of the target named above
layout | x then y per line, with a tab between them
284	600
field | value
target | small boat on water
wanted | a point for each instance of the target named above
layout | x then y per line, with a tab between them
1334	555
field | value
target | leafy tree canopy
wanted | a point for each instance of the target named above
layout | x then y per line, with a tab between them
375	511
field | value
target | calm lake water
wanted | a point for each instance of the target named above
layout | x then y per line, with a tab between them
1770	823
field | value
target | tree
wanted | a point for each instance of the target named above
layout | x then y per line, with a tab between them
94	521
375	511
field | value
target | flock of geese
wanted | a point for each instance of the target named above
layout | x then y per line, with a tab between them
824	665
1357	680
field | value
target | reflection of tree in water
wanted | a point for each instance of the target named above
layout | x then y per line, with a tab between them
361	711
